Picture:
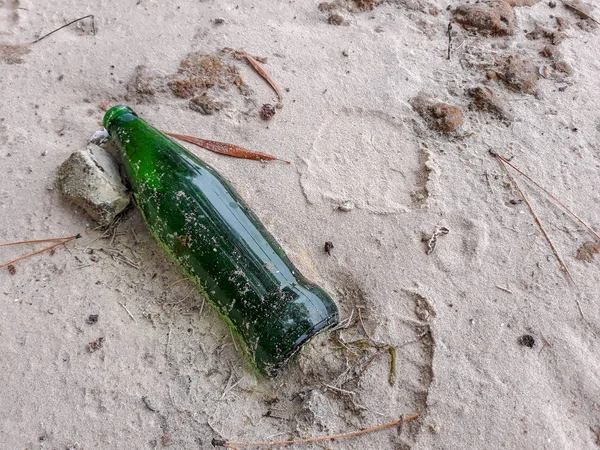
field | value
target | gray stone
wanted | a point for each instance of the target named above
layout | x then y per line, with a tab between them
90	179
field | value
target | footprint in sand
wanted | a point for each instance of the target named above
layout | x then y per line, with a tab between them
366	157
10	15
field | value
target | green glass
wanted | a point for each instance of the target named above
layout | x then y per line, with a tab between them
202	222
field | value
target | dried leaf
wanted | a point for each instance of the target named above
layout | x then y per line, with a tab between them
225	149
266	75
261	71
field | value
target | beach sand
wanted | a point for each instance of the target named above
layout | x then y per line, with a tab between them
494	346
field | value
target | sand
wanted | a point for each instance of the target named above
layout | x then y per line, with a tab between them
167	373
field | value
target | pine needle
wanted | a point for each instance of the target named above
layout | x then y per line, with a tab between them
234	444
552	197
225	149
61	241
562	264
580	11
36	241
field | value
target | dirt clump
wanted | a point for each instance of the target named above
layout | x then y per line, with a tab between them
489	18
143	86
539	32
367	5
484	99
439	116
522	2
205	105
199	72
587	251
335	19
519	74
13	54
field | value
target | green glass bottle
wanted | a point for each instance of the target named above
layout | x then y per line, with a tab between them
201	221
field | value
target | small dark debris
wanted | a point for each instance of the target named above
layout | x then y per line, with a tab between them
367	5
563	67
326	6
527	340
552	4
345	53
218	442
149	404
11	269
219	21
548	51
92	319
95	345
267	111
539	32
328	247
335	19
94	258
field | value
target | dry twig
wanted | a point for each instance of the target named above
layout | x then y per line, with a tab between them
234	444
66	25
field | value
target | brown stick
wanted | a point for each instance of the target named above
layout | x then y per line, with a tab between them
549	194
232	444
29	255
562	264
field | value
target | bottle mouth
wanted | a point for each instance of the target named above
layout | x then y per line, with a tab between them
273	370
120	113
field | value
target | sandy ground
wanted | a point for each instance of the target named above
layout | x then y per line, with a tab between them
168	373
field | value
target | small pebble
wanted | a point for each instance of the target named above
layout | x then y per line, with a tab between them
527	340
149	403
346	206
93	318
267	111
328	247
552	4
335	19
